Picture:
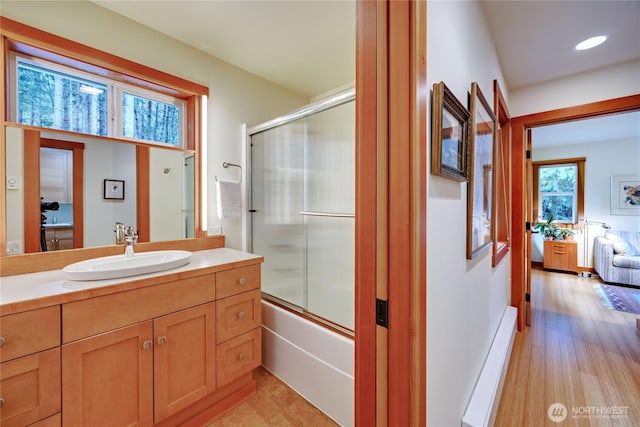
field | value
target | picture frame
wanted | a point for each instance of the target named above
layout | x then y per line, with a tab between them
449	135
481	168
625	195
113	189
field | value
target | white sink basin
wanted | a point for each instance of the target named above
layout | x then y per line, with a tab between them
112	267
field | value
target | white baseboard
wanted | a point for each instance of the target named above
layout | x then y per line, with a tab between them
483	405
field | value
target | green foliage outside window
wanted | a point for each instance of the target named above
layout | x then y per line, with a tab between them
557	187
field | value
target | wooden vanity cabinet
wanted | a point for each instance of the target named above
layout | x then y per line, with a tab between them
30	368
147	371
161	366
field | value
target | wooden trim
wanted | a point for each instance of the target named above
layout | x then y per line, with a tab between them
31	191
78	184
419	101
49	43
579	161
143	209
519	126
367	50
501	178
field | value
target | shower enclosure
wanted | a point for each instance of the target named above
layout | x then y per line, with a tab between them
302	207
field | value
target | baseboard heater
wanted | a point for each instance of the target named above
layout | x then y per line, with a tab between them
482	408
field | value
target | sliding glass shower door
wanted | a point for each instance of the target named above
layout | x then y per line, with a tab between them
303	193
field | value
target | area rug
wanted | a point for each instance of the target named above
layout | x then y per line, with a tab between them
619	297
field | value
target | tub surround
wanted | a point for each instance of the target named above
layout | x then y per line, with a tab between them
187	340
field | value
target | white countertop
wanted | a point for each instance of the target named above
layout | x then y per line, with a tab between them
45	284
58	225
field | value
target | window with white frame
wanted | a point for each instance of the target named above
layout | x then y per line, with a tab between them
46	94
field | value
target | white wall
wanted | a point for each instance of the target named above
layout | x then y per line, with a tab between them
166	178
465	299
15	197
107	160
604	160
604	83
235	96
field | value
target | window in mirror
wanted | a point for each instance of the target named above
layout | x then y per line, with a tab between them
150	120
53	99
53	96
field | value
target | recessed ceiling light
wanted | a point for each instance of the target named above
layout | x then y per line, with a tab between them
591	42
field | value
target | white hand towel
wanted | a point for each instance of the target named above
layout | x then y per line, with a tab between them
228	198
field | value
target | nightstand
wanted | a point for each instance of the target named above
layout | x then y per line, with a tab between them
561	255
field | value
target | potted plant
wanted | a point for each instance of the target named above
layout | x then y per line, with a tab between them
547	229
564	233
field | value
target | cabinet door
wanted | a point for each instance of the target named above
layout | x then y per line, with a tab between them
184	358
107	380
30	388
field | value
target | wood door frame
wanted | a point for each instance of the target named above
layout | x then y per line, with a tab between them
391	105
78	184
519	126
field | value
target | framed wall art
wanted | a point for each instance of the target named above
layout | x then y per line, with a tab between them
449	135
481	169
113	189
625	195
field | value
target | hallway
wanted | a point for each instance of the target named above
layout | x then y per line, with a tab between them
576	353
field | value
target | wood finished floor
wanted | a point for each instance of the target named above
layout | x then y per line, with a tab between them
577	353
273	405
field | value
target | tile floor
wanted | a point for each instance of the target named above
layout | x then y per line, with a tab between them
274	404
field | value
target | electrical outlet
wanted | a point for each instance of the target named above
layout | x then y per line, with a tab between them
214	230
13	247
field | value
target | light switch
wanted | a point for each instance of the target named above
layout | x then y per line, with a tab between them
12	182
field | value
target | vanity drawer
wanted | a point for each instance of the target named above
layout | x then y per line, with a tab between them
30	388
81	319
231	282
28	332
238	356
237	314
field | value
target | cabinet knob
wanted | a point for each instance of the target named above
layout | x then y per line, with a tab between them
147	345
2	341
241	315
242	356
162	340
242	280
1	402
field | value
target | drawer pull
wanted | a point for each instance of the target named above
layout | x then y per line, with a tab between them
1	402
147	345
2	341
242	356
241	315
559	253
242	280
162	340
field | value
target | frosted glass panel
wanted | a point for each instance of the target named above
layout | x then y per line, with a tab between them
303	185
277	180
330	268
330	155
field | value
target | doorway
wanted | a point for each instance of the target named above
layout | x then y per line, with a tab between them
523	212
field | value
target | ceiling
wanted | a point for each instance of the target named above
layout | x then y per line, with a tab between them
308	46
604	128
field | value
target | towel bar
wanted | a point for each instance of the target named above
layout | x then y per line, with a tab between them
227	164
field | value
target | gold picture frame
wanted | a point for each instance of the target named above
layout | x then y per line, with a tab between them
481	158
449	135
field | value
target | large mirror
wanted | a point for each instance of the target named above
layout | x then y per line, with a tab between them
79	201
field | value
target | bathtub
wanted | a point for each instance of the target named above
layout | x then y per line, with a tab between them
314	361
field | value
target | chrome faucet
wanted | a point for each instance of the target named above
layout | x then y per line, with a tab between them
130	238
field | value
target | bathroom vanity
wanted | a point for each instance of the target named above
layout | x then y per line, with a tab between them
166	348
